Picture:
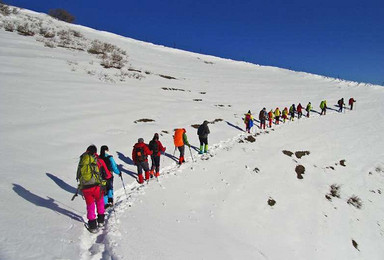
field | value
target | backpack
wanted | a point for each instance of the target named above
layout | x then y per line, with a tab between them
247	118
108	162
88	173
154	147
140	155
261	115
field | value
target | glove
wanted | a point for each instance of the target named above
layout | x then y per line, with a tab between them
119	174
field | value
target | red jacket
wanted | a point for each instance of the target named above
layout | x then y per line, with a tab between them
299	108
102	166
145	149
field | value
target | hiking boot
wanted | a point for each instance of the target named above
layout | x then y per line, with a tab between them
157	174
100	220
92	226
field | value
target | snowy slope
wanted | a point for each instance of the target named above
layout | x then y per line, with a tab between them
57	101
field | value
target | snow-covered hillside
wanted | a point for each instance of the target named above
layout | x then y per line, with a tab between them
55	101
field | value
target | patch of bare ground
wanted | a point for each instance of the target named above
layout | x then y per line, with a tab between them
355	245
216	120
300	154
342	163
289	153
135	70
355	201
197	99
203	93
250	139
334	192
166	77
165	132
144	120
300	170
271	202
211	122
175	89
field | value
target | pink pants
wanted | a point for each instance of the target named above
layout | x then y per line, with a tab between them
94	196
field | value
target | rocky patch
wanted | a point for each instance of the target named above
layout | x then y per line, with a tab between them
144	120
300	170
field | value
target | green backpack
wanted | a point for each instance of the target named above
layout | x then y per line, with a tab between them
88	173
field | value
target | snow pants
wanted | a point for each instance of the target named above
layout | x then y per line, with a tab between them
181	150
94	196
155	163
262	123
140	167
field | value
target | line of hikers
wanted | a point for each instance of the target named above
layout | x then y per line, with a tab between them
94	172
265	116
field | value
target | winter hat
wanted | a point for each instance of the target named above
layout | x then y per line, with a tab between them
92	149
249	111
205	122
140	140
156	136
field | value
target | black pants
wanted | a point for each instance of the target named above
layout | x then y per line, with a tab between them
155	163
203	140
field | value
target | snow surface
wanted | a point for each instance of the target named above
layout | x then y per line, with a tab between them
215	207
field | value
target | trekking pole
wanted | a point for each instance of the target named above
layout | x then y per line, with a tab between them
122	181
174	151
191	153
76	194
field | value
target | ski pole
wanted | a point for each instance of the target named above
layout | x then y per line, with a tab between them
174	151
191	153
77	193
122	181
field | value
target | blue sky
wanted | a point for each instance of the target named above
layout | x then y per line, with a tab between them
336	38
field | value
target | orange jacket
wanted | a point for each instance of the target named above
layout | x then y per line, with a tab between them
178	137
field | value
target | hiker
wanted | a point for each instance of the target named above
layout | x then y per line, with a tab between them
262	117
292	110
277	115
341	104
323	107
285	114
308	108
91	185
248	120
140	153
270	118
157	148
351	101
299	111
203	132
112	168
180	140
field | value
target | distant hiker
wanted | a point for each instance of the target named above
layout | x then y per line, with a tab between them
285	114
262	117
140	153
292	111
308	108
341	104
112	167
277	115
299	111
157	148
91	185
351	101
323	107
180	140
248	121
203	132
270	118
